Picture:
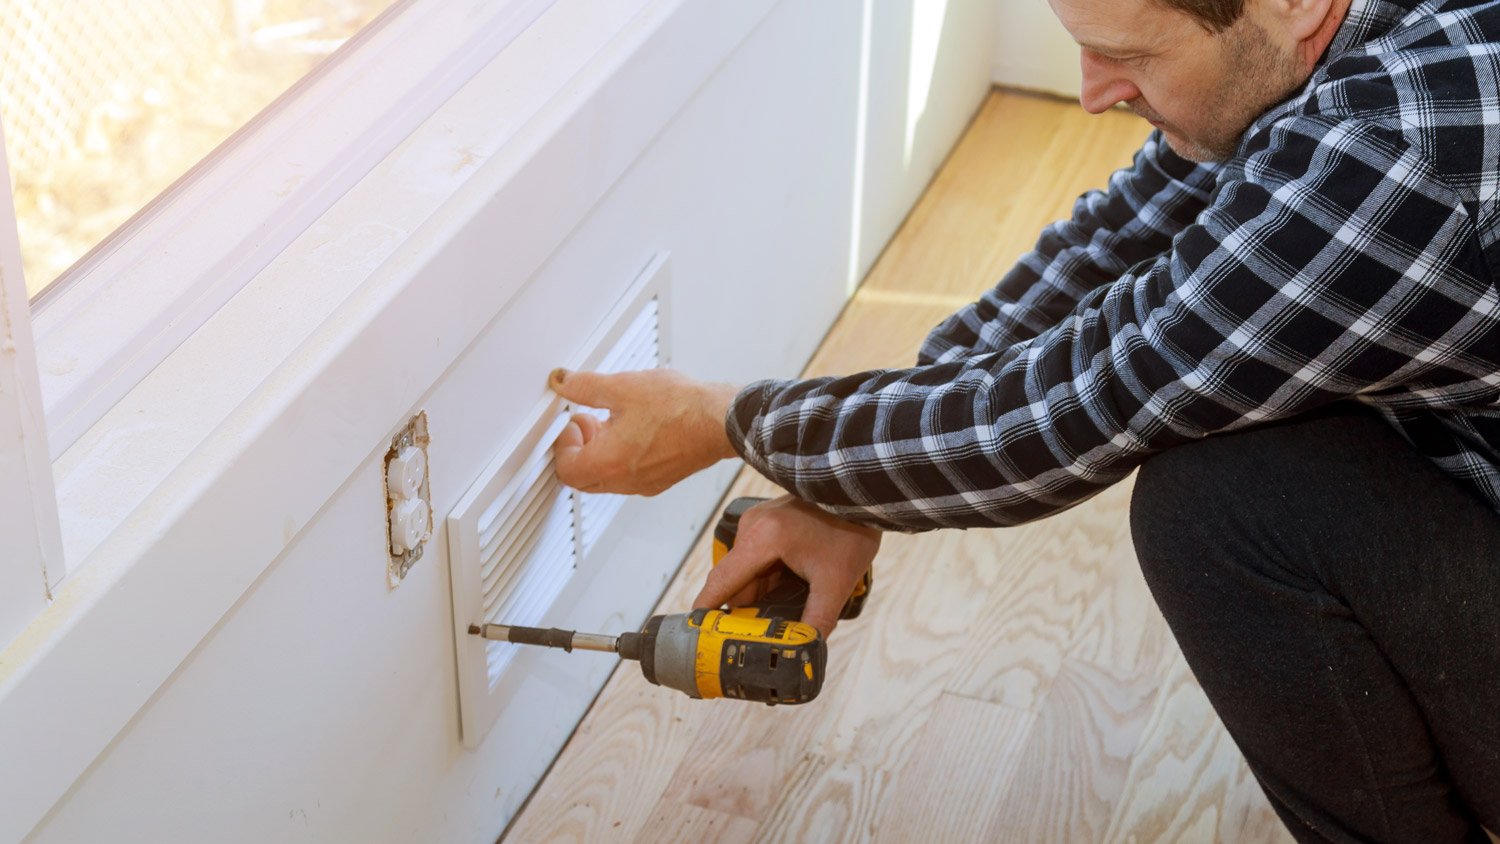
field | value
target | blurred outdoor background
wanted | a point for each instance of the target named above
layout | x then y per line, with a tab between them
105	104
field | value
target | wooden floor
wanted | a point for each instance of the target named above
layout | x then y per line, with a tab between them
1010	685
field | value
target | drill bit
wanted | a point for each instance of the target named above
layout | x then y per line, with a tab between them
626	645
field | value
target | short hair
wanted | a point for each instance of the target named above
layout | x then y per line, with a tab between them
1214	15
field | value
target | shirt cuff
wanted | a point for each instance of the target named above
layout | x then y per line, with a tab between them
741	423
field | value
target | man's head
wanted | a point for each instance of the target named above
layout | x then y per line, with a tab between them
1199	70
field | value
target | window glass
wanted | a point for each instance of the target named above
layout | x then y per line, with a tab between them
106	103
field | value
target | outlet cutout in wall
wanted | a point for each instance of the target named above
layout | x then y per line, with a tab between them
408	498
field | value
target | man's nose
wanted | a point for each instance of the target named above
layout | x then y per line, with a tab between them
1103	86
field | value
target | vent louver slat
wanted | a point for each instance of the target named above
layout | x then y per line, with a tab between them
543	570
523	540
642	332
529	509
638	348
520	509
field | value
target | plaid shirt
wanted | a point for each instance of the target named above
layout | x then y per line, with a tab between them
1344	253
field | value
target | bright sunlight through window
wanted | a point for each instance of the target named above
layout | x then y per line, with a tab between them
106	104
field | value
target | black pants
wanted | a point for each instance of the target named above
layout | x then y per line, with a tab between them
1338	598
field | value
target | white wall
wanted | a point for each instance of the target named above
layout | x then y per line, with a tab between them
1033	51
322	706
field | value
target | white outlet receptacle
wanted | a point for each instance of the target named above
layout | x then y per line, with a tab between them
408	498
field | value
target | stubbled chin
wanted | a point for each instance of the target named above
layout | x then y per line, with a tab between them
1189	150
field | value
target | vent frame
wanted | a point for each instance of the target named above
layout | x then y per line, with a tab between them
500	493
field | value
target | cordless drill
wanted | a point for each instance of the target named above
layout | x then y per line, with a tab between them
759	652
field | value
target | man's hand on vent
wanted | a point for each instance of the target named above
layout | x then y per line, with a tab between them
662	427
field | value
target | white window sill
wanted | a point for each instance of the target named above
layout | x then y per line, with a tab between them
229	371
128	304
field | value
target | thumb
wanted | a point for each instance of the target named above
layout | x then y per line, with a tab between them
589	389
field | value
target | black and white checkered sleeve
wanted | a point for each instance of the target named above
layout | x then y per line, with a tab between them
1146	205
1337	264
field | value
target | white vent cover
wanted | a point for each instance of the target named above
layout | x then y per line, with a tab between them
638	348
527	548
518	535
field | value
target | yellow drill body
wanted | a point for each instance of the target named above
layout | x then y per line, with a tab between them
760	652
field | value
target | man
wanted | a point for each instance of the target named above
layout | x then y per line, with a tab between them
1284	315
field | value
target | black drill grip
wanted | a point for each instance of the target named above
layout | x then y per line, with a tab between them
550	637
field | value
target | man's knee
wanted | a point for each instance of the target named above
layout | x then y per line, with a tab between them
1175	511
1211	518
1264	507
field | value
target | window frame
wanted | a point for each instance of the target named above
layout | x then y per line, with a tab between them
133	299
33	562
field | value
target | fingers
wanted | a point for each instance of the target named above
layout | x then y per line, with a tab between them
571	438
734	573
823	608
588	426
758	588
574	462
590	389
746	596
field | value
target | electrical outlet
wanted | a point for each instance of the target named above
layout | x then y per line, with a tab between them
408	498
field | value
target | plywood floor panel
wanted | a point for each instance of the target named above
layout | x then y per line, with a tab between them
1052	569
967	758
926	602
1074	764
943	245
1187	780
1006	685
673	822
1021	165
608	788
827	800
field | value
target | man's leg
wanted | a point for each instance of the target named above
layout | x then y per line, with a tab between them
1338	598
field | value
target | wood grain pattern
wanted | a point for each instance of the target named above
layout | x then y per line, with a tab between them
690	823
609	790
986	207
1010	685
1120	625
1187	781
1052	570
952	785
1094	705
925	600
827	801
1073	767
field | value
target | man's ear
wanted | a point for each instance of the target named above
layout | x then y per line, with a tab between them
1304	19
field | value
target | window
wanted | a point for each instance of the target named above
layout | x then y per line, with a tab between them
105	105
119	310
131	300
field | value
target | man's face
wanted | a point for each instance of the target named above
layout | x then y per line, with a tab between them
1201	89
